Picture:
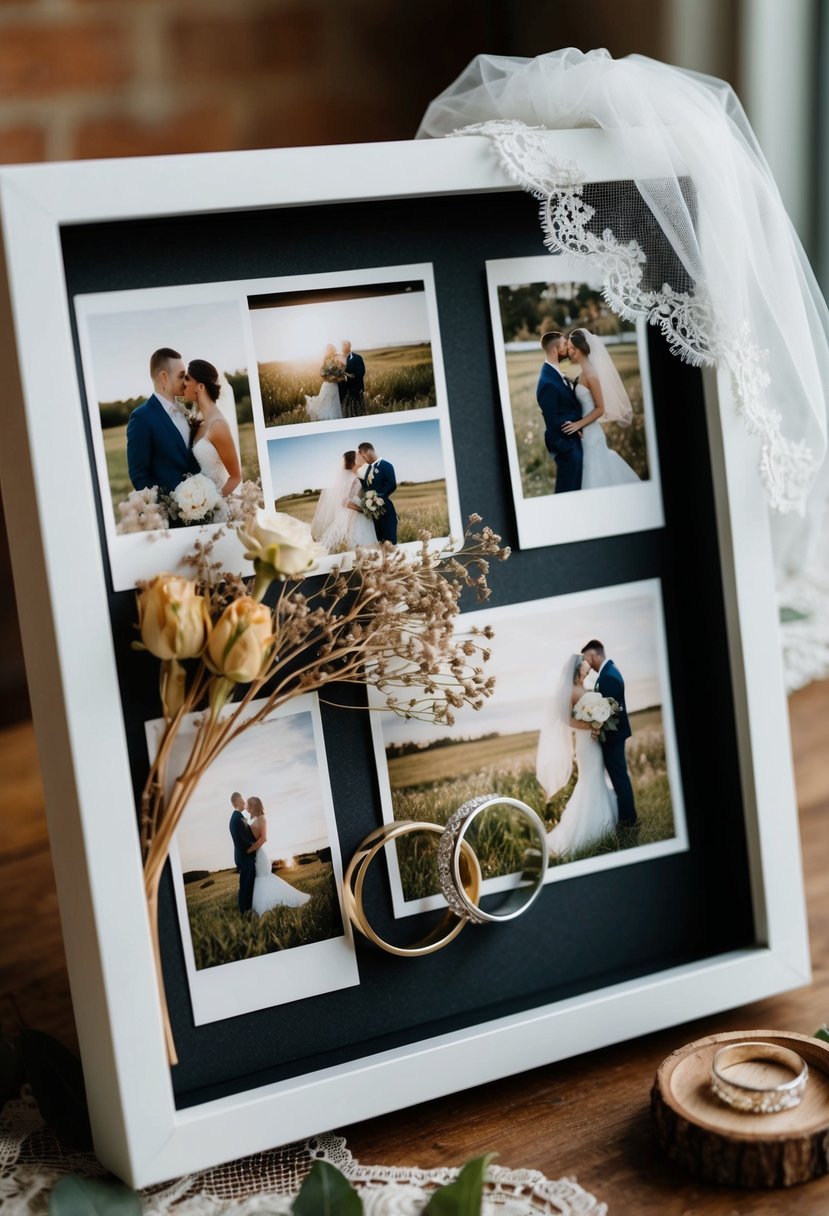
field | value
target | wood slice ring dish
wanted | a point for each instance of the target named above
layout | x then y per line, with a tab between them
720	1144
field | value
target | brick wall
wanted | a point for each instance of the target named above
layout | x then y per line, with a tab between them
89	78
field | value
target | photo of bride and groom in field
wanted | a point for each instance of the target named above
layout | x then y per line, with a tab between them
574	383
172	398
351	349
389	484
579	728
258	876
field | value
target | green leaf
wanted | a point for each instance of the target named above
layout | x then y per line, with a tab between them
11	1073
822	1033
787	615
462	1197
74	1196
327	1192
56	1079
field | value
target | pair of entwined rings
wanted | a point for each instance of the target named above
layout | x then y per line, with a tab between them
458	871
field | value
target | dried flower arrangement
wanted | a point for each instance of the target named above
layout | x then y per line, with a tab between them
386	620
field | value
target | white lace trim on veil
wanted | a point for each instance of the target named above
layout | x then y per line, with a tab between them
706	252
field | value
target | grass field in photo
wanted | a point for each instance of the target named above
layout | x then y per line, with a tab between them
431	783
115	448
420	506
397	378
220	934
538	469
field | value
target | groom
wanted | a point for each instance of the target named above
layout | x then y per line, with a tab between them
380	477
609	683
558	403
353	388
158	434
242	838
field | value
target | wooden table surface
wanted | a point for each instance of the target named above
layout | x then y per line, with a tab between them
585	1118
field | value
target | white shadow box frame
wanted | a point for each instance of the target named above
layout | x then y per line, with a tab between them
49	499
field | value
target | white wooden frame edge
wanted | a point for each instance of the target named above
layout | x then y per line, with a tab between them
138	1133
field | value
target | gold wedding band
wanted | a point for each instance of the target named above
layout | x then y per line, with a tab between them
450	925
759	1099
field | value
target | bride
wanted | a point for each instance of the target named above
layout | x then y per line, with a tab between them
212	442
591	811
327	403
268	890
602	398
339	523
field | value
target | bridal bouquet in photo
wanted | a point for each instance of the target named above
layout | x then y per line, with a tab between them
373	505
600	712
231	657
333	369
195	500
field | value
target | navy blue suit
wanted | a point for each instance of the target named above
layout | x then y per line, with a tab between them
245	862
157	455
559	404
611	684
352	391
381	478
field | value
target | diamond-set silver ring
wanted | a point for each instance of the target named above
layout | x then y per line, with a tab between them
530	880
759	1099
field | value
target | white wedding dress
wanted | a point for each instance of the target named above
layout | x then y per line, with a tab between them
591	812
325	405
210	462
211	465
601	465
270	891
349	528
337	527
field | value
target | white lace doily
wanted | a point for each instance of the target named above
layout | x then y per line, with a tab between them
32	1161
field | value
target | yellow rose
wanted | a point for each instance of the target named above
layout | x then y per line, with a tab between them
241	641
173	618
279	545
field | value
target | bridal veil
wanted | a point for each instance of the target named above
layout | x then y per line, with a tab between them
700	245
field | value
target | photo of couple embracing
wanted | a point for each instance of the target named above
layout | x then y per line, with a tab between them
172	430
357	508
354	488
187	425
576	411
579	730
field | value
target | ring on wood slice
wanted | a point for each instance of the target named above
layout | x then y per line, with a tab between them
737	1148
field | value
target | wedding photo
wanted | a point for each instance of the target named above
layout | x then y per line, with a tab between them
575	393
580	728
257	870
169	403
350	349
370	484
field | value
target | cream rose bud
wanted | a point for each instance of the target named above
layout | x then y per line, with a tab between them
241	641
280	542
172	617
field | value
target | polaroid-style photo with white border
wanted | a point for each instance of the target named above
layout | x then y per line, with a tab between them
513	745
294	940
609	467
136	347
354	345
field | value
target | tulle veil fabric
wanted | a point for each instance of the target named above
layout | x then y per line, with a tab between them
227	405
554	758
331	501
617	407
752	306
